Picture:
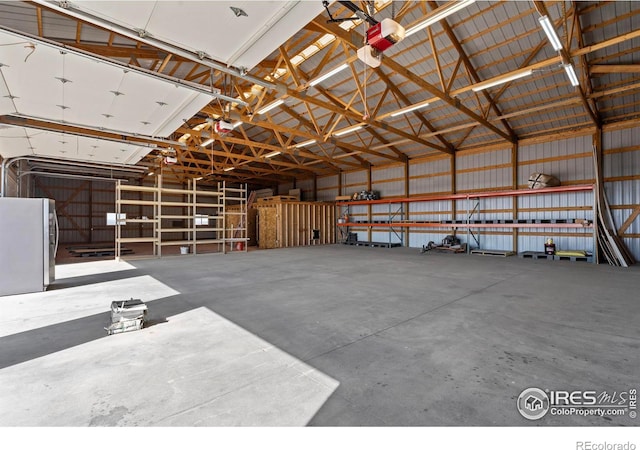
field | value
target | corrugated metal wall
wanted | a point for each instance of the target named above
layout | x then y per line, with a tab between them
82	206
327	188
568	159
487	170
621	168
306	190
431	176
284	188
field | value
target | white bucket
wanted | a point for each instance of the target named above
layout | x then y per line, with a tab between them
184	250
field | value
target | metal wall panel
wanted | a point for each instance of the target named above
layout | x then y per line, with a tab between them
327	182
354	182
483	179
431	184
386	236
624	193
306	188
327	195
283	188
358	177
574	169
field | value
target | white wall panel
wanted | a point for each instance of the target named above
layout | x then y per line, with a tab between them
387	173
330	181
327	195
565	170
430	184
306	187
323	183
623	192
283	188
354	178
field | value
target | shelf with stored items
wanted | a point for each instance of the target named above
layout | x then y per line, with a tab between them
178	217
468	221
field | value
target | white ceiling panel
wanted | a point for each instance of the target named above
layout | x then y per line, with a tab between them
58	86
211	26
20	141
6	103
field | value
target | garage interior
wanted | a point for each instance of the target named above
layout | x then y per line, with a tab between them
370	213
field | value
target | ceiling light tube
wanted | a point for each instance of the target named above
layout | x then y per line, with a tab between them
331	73
550	32
198	178
438	15
348	130
571	73
501	80
207	142
228	169
270	106
237	124
409	109
272	154
305	143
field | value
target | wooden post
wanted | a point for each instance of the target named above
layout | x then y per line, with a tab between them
452	162
369	207
90	212
514	199
405	206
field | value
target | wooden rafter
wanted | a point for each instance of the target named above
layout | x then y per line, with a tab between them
352	37
471	70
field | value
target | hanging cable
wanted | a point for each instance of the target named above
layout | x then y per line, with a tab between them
365	116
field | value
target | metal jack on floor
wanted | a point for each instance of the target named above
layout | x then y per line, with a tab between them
127	315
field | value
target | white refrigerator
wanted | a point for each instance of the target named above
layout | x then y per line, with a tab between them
28	244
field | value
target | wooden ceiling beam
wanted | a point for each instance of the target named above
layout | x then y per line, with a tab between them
39	21
615	68
448	148
353	38
566	59
472	71
260	145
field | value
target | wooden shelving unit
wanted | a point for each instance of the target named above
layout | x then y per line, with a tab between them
469	224
201	219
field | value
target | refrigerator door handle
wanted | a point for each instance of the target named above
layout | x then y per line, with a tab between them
55	218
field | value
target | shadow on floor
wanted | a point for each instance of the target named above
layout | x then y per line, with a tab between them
25	346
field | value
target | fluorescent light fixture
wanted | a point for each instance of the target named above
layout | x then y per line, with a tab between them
150	173
207	142
409	109
237	124
198	178
571	73
272	154
331	73
228	169
348	130
270	106
550	32
305	143
501	80
438	15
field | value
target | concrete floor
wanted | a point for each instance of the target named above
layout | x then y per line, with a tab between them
331	335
